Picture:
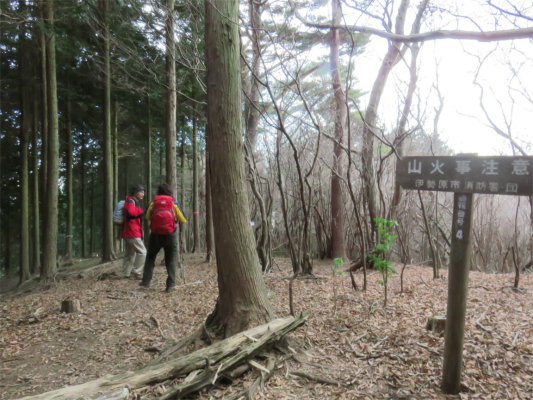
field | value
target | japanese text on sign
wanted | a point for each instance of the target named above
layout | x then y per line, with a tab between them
468	174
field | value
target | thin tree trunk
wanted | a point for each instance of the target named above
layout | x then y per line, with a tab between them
44	115
36	245
209	230
182	180
69	183
242	298
251	103
170	127
83	198
25	123
430	239
337	216
126	176
117	230
148	167
49	266
92	246
107	251
195	212
161	161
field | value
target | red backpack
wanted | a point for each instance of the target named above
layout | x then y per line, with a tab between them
162	216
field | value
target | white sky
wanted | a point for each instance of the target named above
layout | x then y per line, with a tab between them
456	75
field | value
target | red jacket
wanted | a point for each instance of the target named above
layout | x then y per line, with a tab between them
131	227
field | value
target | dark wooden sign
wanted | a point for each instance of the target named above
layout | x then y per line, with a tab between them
464	175
468	174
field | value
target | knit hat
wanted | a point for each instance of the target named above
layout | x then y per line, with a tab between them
136	188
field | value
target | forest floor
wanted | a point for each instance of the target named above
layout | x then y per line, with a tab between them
372	351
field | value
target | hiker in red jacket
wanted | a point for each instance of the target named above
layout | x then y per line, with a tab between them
131	233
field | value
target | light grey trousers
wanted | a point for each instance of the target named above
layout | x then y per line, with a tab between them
134	257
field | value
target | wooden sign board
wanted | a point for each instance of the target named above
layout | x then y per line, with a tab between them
468	174
464	175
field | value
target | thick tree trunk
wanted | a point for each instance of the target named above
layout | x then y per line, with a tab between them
337	215
83	198
170	127
36	239
371	116
107	250
69	183
148	167
49	266
195	212
242	298
25	123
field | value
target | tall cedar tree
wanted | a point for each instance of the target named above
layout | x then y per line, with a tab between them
242	298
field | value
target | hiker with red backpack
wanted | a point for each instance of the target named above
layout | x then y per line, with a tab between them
163	214
132	234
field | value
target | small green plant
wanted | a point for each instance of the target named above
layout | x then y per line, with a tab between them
337	267
336	272
384	246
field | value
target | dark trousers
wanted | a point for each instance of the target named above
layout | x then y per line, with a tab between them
169	243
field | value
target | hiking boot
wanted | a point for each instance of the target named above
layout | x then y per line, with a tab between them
144	284
170	289
137	277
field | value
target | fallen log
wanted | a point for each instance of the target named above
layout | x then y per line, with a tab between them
209	358
210	375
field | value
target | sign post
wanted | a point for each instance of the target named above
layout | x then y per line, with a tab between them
463	175
457	292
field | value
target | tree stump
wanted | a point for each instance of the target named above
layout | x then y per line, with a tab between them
70	306
436	324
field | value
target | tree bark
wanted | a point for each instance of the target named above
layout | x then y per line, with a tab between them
242	298
108	253
170	127
69	182
36	239
92	247
83	198
25	122
195	212
44	116
337	216
182	180
148	167
251	103
49	266
209	230
117	230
